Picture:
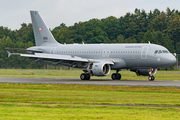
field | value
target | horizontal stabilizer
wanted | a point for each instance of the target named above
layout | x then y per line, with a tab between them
34	51
9	54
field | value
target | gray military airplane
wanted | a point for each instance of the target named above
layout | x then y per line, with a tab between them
96	59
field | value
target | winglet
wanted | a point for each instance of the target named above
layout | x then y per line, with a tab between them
9	54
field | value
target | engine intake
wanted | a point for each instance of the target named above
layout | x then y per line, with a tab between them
99	69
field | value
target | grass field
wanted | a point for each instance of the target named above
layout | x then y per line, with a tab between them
46	73
51	101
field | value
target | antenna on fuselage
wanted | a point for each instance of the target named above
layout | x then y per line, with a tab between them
82	42
149	42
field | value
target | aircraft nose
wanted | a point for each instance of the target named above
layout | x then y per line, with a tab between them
172	59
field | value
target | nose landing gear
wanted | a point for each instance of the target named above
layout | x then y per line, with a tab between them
151	78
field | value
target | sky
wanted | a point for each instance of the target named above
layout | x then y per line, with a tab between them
54	12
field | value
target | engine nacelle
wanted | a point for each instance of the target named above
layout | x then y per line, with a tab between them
145	72
99	69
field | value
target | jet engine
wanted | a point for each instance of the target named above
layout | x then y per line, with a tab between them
145	72
99	69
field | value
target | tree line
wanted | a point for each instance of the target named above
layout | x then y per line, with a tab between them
158	27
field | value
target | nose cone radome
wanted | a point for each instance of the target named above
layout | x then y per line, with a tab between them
171	60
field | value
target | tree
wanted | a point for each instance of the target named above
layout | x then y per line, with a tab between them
173	29
159	23
120	39
178	48
111	27
168	43
148	37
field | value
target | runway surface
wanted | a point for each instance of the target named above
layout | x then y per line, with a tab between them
92	82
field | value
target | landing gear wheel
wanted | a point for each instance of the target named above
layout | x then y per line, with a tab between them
118	76
115	76
151	78
83	76
88	77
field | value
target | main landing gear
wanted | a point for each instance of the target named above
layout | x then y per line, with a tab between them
116	76
85	76
151	78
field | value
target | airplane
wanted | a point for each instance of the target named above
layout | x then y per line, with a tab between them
96	59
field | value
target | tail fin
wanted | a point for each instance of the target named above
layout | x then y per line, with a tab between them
41	32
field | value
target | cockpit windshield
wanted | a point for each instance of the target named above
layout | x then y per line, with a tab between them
165	51
161	51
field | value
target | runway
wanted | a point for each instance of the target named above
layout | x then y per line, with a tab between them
92	82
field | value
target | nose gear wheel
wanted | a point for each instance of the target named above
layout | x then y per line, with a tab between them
151	78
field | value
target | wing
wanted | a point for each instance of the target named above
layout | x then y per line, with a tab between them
68	60
55	57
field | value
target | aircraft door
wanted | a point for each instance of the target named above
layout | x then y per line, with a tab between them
144	52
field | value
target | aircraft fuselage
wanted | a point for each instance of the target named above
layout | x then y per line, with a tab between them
125	56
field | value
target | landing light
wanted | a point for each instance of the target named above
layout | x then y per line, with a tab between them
149	73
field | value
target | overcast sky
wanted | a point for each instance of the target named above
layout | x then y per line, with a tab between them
54	12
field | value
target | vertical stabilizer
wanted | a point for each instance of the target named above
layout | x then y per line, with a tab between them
41	32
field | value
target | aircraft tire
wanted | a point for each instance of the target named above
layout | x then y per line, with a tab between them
88	77
113	76
118	77
151	78
83	76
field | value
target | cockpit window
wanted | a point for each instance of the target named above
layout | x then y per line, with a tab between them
156	52
161	51
165	51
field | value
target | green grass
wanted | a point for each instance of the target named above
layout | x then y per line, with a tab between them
77	112
52	101
46	73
